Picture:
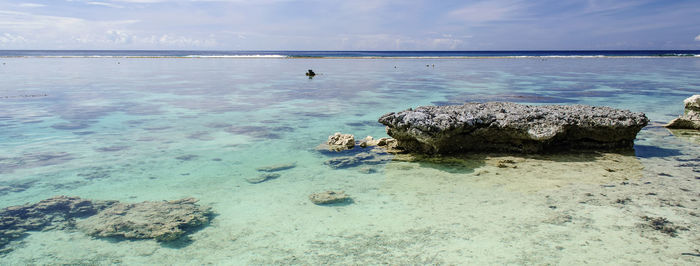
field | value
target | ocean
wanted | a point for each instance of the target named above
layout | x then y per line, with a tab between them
137	126
347	54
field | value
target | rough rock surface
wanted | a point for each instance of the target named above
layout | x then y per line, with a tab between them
162	220
56	212
511	127
329	197
338	142
691	117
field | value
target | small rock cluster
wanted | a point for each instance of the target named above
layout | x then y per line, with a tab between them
376	152
338	142
691	117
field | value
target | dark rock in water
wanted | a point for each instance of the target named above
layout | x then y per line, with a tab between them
691	117
329	197
262	178
56	212
310	73
347	161
188	157
70	126
162	220
511	127
112	148
276	167
371	157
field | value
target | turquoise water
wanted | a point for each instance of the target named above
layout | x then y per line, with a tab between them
135	129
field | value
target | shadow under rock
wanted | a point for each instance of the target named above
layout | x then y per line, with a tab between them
346	202
648	151
454	164
468	162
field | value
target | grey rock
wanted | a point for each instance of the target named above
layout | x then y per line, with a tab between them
691	116
52	213
329	197
511	127
160	220
164	221
338	142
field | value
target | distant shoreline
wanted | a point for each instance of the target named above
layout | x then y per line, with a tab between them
349	54
361	57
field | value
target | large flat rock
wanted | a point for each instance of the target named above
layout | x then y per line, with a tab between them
511	127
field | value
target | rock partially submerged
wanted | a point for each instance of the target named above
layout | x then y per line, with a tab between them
160	220
338	142
276	167
329	197
691	116
164	221
371	157
262	178
511	127
57	212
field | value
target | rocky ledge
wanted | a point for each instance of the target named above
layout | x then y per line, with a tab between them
691	117
511	127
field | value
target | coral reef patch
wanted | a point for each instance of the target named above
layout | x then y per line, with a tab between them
163	221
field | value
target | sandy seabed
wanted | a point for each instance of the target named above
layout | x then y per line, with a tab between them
588	208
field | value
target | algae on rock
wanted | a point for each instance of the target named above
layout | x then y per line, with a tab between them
160	220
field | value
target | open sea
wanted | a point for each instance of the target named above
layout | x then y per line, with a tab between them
139	126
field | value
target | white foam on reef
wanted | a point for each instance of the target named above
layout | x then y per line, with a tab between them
147	56
238	56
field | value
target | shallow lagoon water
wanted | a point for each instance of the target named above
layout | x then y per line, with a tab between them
135	129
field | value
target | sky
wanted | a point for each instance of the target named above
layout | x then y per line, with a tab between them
350	25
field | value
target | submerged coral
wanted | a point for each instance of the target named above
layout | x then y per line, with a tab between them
163	221
56	212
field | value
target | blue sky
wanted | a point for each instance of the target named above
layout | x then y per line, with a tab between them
349	25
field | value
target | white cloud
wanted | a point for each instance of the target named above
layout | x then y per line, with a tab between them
31	5
446	43
119	37
486	11
105	4
26	21
8	38
697	38
180	41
